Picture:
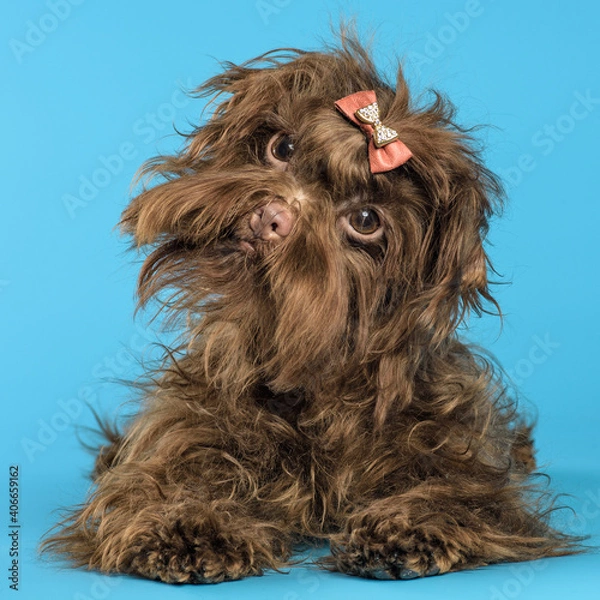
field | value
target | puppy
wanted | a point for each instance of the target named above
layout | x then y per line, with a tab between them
319	238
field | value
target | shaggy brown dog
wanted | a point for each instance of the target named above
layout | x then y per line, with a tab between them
322	391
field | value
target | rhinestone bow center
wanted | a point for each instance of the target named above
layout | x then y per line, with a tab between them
382	134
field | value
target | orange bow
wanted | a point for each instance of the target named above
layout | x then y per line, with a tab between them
386	151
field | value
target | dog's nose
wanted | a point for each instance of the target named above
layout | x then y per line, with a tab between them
272	222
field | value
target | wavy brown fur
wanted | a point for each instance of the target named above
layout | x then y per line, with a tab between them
322	390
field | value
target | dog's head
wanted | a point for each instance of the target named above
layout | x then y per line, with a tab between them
271	224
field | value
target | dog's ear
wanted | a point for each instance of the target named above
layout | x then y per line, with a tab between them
149	215
240	102
461	196
179	208
442	233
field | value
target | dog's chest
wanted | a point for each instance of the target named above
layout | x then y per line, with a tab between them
287	405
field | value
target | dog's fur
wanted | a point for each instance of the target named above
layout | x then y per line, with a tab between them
322	391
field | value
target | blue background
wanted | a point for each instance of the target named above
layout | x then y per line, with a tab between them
103	78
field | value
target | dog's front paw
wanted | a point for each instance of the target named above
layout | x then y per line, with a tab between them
177	561
198	553
363	562
392	550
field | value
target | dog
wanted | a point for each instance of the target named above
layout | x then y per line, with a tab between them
319	239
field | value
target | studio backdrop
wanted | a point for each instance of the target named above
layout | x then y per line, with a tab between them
91	90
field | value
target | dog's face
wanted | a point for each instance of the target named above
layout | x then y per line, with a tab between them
271	224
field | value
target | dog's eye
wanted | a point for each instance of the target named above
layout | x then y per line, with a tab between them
364	221
282	148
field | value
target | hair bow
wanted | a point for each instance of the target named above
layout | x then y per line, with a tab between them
386	151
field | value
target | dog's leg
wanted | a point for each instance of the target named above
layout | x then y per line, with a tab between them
173	507
133	524
435	528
